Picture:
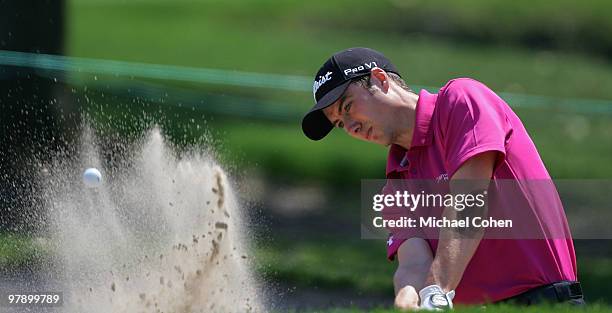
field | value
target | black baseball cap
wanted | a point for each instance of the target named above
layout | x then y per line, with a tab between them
331	81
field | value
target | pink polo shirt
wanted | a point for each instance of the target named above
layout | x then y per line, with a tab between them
463	119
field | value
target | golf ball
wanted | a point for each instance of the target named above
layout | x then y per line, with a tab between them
92	177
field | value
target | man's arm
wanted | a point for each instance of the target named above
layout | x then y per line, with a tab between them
414	261
454	252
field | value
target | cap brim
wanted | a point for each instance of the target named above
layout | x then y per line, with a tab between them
315	124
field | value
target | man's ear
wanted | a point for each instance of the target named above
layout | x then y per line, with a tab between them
380	79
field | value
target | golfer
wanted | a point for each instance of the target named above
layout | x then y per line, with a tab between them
463	132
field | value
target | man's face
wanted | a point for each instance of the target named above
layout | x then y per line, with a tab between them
363	114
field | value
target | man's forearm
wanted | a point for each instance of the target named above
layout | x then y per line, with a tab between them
414	261
452	257
456	246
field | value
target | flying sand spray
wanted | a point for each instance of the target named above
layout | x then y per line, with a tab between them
161	233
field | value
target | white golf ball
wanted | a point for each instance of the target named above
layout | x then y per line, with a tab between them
92	177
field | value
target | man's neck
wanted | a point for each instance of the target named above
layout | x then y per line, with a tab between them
406	119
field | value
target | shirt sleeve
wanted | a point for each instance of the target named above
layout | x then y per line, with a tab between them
397	235
393	245
473	120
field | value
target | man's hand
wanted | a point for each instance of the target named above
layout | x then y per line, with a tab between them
407	299
433	298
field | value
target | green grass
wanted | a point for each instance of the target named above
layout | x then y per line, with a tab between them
323	261
284	37
591	308
328	263
18	250
569	144
292	37
361	265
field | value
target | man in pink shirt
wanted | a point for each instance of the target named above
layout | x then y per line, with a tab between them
463	132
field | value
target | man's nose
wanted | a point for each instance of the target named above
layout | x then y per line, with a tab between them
353	128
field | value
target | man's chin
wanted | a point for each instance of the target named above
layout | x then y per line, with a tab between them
382	143
385	142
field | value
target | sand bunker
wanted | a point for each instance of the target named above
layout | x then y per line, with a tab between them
163	234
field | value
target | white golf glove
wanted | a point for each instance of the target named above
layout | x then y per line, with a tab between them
434	299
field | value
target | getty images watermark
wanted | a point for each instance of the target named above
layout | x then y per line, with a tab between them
494	209
423	201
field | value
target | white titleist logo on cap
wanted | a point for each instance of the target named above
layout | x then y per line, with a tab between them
360	68
322	80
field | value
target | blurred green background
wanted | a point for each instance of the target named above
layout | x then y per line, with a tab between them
552	61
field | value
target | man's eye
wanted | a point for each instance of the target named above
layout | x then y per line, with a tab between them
347	107
340	125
